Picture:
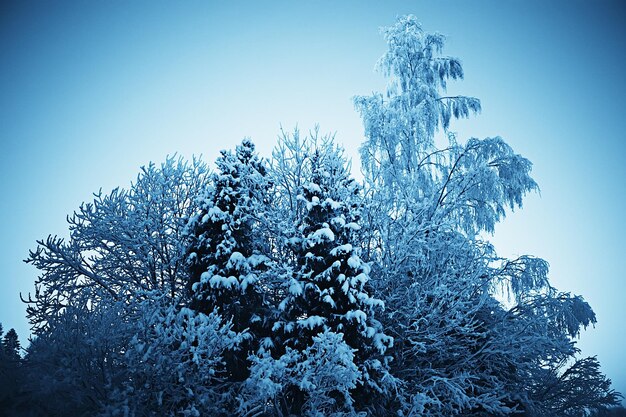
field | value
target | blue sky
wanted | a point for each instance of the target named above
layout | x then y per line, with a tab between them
90	91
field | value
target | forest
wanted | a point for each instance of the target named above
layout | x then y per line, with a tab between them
282	286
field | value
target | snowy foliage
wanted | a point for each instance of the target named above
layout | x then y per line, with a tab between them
459	349
400	125
123	243
174	363
323	374
75	364
288	289
226	255
329	276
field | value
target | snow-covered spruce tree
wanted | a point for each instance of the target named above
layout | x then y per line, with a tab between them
290	169
328	291
226	256
458	347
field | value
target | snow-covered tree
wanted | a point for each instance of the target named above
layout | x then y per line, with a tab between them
324	374
226	255
327	289
400	125
123	243
473	332
174	363
288	289
73	365
121	247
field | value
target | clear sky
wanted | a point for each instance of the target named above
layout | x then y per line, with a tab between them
90	91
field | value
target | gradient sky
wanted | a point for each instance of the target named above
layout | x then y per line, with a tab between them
90	91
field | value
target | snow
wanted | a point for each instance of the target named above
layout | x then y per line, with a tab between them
247	280
267	343
295	288
354	262
328	299
359	280
218	281
205	277
371	301
293	241
353	226
338	221
237	260
346	286
334	205
320	235
382	342
215	214
311	322
358	315
289	327
313	188
256	260
342	249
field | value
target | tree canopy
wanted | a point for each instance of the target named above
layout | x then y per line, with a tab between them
282	286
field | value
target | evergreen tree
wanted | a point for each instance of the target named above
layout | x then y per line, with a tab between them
11	375
328	290
226	256
11	345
